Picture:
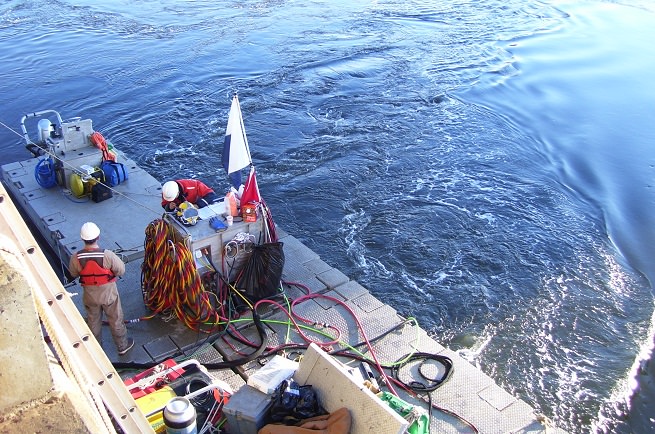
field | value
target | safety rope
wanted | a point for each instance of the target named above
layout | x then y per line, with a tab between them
171	283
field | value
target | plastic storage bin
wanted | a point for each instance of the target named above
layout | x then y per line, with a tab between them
246	411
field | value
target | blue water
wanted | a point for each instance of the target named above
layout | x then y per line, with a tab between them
485	166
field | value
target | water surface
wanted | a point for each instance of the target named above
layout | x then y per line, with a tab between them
485	166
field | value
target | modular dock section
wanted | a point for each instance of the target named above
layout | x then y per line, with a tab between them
468	393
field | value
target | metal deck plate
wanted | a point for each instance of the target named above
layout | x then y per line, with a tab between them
294	248
332	278
351	289
317	266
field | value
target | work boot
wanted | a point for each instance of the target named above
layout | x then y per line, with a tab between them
130	344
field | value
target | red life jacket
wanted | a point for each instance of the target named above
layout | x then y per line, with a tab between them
92	272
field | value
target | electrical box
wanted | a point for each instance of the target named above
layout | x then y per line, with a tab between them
226	250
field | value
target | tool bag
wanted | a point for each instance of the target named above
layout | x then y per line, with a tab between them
262	273
292	403
115	173
100	192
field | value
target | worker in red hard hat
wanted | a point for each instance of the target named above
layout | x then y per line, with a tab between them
173	193
98	269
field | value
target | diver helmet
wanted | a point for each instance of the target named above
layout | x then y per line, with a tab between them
187	214
170	191
90	231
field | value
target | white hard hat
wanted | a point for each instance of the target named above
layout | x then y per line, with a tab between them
170	190
90	231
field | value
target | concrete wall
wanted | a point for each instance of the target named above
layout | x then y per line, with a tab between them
36	394
23	362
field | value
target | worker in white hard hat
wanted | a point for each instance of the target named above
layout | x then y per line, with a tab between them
173	193
98	269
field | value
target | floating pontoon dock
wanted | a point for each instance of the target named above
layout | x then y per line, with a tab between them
468	395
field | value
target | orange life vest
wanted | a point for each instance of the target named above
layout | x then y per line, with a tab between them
92	272
99	141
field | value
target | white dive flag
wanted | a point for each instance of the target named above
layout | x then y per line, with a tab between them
236	154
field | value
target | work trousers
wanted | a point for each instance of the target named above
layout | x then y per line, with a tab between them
105	298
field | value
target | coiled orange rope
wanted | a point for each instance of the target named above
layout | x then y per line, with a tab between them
170	280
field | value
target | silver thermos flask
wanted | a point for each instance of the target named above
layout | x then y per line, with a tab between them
180	416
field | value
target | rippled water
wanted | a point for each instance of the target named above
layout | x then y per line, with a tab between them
485	166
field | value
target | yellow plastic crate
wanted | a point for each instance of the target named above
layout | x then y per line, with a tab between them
156	400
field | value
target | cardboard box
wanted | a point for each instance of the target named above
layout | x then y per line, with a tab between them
269	376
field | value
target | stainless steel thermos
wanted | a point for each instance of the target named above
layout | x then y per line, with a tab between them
180	416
